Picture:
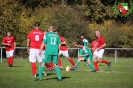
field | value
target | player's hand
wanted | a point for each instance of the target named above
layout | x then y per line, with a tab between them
40	53
28	50
8	44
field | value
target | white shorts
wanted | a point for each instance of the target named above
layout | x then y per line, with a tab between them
99	53
34	54
9	53
64	53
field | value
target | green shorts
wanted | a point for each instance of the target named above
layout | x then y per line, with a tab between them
47	58
88	57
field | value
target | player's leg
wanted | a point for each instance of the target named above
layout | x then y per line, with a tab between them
46	59
77	63
32	59
57	68
11	57
89	59
100	56
95	60
8	58
65	53
59	60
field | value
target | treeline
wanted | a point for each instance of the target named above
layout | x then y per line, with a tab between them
71	17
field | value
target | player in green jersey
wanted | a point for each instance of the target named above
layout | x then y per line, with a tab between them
52	43
85	54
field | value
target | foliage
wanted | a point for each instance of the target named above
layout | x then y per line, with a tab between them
71	17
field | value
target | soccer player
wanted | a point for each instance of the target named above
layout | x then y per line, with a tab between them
85	41
52	43
98	53
10	43
34	40
84	55
63	51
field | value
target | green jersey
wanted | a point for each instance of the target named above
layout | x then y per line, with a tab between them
85	41
52	41
85	50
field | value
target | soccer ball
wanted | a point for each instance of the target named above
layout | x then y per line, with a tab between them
68	68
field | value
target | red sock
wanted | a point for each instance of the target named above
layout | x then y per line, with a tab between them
51	65
33	66
8	61
11	59
96	65
59	62
104	61
47	65
71	61
97	62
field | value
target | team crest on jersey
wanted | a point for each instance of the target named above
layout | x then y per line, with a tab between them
123	8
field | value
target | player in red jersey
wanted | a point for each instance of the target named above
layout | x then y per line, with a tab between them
98	53
34	41
10	42
93	45
64	51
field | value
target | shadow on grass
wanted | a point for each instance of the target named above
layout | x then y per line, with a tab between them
65	77
17	66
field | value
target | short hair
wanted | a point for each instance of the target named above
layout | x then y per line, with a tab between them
80	42
37	24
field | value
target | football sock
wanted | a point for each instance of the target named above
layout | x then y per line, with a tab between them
47	65
71	61
8	60
33	66
77	63
41	71
104	61
91	66
96	65
59	62
57	69
11	58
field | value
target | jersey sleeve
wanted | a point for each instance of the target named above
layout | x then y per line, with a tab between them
28	36
14	39
44	38
102	40
62	39
59	41
3	40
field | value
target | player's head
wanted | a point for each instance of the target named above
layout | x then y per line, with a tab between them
80	44
82	36
37	25
51	29
97	33
9	33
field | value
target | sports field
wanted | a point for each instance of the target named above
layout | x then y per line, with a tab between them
120	75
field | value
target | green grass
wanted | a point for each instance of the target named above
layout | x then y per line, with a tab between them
120	75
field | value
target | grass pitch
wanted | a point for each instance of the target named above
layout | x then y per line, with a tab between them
120	75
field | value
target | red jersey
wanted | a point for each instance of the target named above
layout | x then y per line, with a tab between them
100	41
9	40
94	45
63	46
36	37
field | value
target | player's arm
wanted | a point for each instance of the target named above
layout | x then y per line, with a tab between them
41	48
14	45
28	45
102	46
64	42
84	55
6	44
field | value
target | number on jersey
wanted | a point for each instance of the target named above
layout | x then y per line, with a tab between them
53	40
37	37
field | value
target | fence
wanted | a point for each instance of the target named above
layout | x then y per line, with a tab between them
21	52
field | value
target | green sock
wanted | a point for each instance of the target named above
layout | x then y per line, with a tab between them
57	69
91	66
41	71
77	63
